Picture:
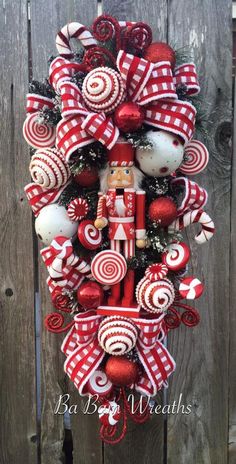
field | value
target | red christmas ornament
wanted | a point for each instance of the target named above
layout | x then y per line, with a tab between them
129	116
121	370
160	51
163	210
90	295
86	178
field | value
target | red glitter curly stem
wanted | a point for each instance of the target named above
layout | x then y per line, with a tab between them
54	322
138	36
106	27
172	318
98	56
107	433
62	302
137	416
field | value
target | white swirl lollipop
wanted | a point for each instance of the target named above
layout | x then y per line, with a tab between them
108	267
197	157
38	135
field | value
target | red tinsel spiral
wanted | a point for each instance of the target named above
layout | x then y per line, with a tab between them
190	318
62	302
172	318
98	56
106	27
54	322
138	36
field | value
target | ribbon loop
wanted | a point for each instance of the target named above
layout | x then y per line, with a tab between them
186	75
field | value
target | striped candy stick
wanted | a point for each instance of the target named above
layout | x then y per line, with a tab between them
196	216
70	31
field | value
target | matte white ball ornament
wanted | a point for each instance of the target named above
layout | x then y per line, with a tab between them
53	221
164	157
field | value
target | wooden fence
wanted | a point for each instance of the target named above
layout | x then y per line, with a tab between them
205	374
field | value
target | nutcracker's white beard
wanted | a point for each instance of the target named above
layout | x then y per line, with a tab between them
138	176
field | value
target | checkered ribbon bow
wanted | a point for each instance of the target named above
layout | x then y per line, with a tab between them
64	267
84	354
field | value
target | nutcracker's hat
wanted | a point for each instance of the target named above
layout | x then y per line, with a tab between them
121	154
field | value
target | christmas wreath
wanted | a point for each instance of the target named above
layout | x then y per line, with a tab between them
111	132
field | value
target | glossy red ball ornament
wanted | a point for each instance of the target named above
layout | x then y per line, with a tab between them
129	116
86	178
162	210
90	295
160	51
121	370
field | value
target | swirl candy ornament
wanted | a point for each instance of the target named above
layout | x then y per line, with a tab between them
117	335
89	236
197	158
177	256
156	271
38	135
155	297
98	384
108	267
103	90
77	209
49	169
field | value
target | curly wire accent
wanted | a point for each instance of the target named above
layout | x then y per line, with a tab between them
106	27
138	416
190	318
62	302
54	322
107	433
138	36
172	318
96	57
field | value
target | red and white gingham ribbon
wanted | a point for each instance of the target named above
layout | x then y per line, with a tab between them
186	74
194	196
35	102
84	354
38	197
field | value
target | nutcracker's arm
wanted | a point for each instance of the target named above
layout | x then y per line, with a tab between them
140	215
101	219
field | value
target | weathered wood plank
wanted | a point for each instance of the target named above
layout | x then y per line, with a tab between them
143	443
17	334
202	353
86	444
232	314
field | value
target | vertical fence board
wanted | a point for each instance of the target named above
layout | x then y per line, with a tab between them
232	345
202	353
143	443
17	336
44	28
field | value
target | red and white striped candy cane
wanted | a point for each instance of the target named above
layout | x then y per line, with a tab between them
196	216
73	31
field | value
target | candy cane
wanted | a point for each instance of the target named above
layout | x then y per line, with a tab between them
70	31
198	216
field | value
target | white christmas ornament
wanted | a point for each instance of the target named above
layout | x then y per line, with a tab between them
164	157
53	221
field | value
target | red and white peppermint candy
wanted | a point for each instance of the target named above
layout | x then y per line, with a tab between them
198	216
77	209
48	168
89	236
177	256
73	31
109	413
197	158
98	384
156	271
191	288
155	297
108	267
117	335
38	135
103	90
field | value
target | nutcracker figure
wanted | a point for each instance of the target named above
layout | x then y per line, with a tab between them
121	206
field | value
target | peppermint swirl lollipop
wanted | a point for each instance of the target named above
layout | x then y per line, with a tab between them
103	90
177	256
197	158
48	168
117	335
98	384
155	297
89	236
38	135
108	267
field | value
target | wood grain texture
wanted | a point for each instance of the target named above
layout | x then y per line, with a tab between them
143	443
86	444
232	314
202	354
17	335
